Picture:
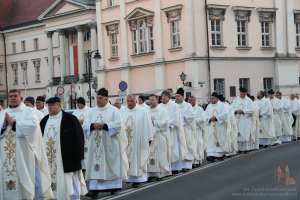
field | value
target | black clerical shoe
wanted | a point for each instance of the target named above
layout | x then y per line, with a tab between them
115	192
175	172
266	146
93	194
246	152
158	179
135	185
211	159
150	179
194	166
184	170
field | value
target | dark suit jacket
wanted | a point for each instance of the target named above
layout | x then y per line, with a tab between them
71	141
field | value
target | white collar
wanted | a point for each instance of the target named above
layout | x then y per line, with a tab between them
58	115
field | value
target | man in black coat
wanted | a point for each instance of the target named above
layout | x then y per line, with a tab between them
61	128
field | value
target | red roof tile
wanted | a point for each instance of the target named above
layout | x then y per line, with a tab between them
27	11
5	8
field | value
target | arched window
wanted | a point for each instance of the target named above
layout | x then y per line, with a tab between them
87	36
143	39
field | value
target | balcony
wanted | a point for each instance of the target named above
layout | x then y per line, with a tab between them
86	77
56	80
70	79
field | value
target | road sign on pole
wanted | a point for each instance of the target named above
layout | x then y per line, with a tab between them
123	86
60	90
123	94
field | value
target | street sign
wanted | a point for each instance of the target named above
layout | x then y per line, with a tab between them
60	90
73	90
123	86
62	98
122	93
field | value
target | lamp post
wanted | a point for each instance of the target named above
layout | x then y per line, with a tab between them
183	78
97	57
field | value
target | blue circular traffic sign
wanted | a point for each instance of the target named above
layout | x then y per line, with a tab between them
123	86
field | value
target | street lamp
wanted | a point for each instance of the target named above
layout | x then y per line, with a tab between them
97	57
95	86
183	78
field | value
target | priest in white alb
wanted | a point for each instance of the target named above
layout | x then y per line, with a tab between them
255	127
40	105
177	136
82	113
188	121
141	101
277	112
218	129
64	141
159	164
295	110
118	104
29	102
287	118
243	109
24	171
139	131
200	130
107	163
266	120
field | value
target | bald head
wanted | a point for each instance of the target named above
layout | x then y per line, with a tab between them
118	103
131	101
292	96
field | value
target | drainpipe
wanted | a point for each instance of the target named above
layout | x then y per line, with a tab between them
6	74
208	53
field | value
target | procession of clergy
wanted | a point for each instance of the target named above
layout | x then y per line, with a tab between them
43	150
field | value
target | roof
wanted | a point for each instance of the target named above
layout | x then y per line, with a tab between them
5	8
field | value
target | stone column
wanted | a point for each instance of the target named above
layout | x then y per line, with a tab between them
190	29
50	57
290	28
160	67
279	29
68	70
61	34
93	26
79	29
124	40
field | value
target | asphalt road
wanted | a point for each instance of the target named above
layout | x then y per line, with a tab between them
250	176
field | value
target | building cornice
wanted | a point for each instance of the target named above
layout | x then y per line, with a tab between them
24	28
219	7
172	8
241	8
110	23
267	10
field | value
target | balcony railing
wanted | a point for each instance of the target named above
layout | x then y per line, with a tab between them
56	80
86	77
70	79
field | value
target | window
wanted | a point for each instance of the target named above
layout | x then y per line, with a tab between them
216	33
219	86
245	83
175	33
23	46
87	36
265	30
15	71
37	73
114	46
14	47
242	34
25	78
36	44
143	39
73	39
298	35
268	84
112	2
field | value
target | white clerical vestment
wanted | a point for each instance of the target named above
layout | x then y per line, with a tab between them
144	105
159	160
39	114
287	120
188	120
243	121
44	111
266	122
139	130
277	112
201	134
122	109
64	185
233	130
295	109
255	129
177	136
24	171
83	114
107	163
218	131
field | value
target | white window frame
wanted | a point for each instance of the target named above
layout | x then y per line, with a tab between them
215	33
265	35
243	82
73	37
175	33
114	45
219	80
36	44
298	35
15	73
38	73
25	75
87	36
242	33
111	3
14	47
23	46
146	41
265	82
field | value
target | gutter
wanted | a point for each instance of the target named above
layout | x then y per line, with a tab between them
208	53
5	63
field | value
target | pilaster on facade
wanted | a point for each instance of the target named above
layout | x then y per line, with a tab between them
290	31
190	29
279	29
